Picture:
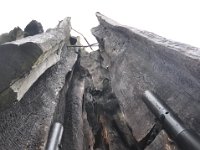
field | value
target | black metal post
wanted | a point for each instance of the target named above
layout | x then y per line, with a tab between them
185	138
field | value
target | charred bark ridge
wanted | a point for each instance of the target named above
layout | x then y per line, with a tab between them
108	126
140	60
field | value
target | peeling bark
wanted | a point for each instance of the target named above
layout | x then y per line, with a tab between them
26	124
27	59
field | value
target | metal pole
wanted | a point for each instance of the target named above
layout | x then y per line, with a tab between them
54	140
185	138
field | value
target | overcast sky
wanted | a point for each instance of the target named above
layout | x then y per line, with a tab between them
178	20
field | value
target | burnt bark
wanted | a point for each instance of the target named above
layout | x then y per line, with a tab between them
140	60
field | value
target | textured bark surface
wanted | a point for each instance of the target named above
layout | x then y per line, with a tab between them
139	61
73	123
23	61
110	129
26	124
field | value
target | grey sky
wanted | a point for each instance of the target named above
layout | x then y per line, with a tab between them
174	19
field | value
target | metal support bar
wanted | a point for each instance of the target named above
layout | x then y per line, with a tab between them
55	137
185	138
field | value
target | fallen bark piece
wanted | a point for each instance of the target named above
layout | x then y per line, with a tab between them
22	62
